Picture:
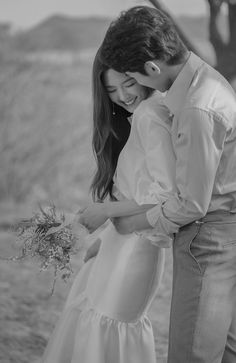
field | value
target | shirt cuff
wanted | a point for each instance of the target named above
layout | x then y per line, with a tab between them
152	215
157	239
159	222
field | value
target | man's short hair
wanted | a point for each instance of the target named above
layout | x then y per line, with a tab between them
140	34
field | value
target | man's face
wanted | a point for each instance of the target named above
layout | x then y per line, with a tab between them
158	81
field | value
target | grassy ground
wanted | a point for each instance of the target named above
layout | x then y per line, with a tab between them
45	128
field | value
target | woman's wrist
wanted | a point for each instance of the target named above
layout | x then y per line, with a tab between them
108	209
124	208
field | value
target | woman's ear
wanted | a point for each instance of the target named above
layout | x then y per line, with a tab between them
152	68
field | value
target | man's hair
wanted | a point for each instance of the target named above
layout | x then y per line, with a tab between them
138	35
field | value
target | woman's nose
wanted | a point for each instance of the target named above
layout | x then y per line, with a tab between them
122	94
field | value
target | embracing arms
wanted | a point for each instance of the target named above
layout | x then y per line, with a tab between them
198	149
96	214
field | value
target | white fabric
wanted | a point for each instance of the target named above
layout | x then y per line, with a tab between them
203	132
105	316
104	319
146	166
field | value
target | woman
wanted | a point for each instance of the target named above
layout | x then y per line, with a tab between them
104	319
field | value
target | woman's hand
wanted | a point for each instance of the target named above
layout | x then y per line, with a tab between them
92	251
93	216
124	225
129	224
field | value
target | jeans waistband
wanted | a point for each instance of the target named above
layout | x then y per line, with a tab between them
217	216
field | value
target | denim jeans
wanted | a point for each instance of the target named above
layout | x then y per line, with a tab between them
203	308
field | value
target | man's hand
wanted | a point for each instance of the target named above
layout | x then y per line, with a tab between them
92	251
93	216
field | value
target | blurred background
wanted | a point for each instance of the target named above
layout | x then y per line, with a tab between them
46	53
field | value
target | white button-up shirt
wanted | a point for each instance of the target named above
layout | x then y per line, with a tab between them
203	131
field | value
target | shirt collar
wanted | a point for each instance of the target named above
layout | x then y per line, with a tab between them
177	93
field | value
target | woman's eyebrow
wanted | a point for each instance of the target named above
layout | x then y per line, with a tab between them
128	79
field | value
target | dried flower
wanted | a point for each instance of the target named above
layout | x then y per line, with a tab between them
49	237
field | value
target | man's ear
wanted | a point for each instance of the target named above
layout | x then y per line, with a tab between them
152	68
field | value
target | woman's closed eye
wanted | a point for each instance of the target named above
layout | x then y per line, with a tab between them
127	85
111	90
130	83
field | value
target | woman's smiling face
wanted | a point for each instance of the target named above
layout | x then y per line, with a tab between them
124	90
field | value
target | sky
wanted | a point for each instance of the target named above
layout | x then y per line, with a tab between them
26	13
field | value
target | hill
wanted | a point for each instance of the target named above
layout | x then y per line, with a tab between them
65	33
62	33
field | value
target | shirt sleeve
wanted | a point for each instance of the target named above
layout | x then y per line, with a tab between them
198	147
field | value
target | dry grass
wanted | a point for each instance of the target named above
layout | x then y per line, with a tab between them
45	129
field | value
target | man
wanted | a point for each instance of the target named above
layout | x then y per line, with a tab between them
143	43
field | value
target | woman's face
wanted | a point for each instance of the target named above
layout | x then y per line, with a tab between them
124	90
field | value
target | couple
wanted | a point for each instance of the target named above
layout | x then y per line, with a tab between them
170	172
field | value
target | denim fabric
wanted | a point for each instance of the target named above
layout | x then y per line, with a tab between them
203	310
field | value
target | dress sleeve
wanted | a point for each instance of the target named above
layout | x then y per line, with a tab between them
155	138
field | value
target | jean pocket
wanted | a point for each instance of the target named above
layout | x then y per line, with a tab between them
192	249
184	248
201	248
224	234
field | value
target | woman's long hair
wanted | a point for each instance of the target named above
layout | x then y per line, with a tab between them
110	132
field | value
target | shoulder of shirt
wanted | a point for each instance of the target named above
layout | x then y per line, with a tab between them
210	92
153	109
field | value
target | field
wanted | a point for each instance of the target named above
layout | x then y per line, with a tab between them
45	156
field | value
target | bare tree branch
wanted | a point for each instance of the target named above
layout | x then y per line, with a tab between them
215	35
232	23
225	51
158	4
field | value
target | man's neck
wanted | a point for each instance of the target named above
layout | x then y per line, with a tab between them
175	70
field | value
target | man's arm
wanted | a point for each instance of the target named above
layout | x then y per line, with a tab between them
198	148
96	214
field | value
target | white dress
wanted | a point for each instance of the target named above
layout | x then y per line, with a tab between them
104	319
